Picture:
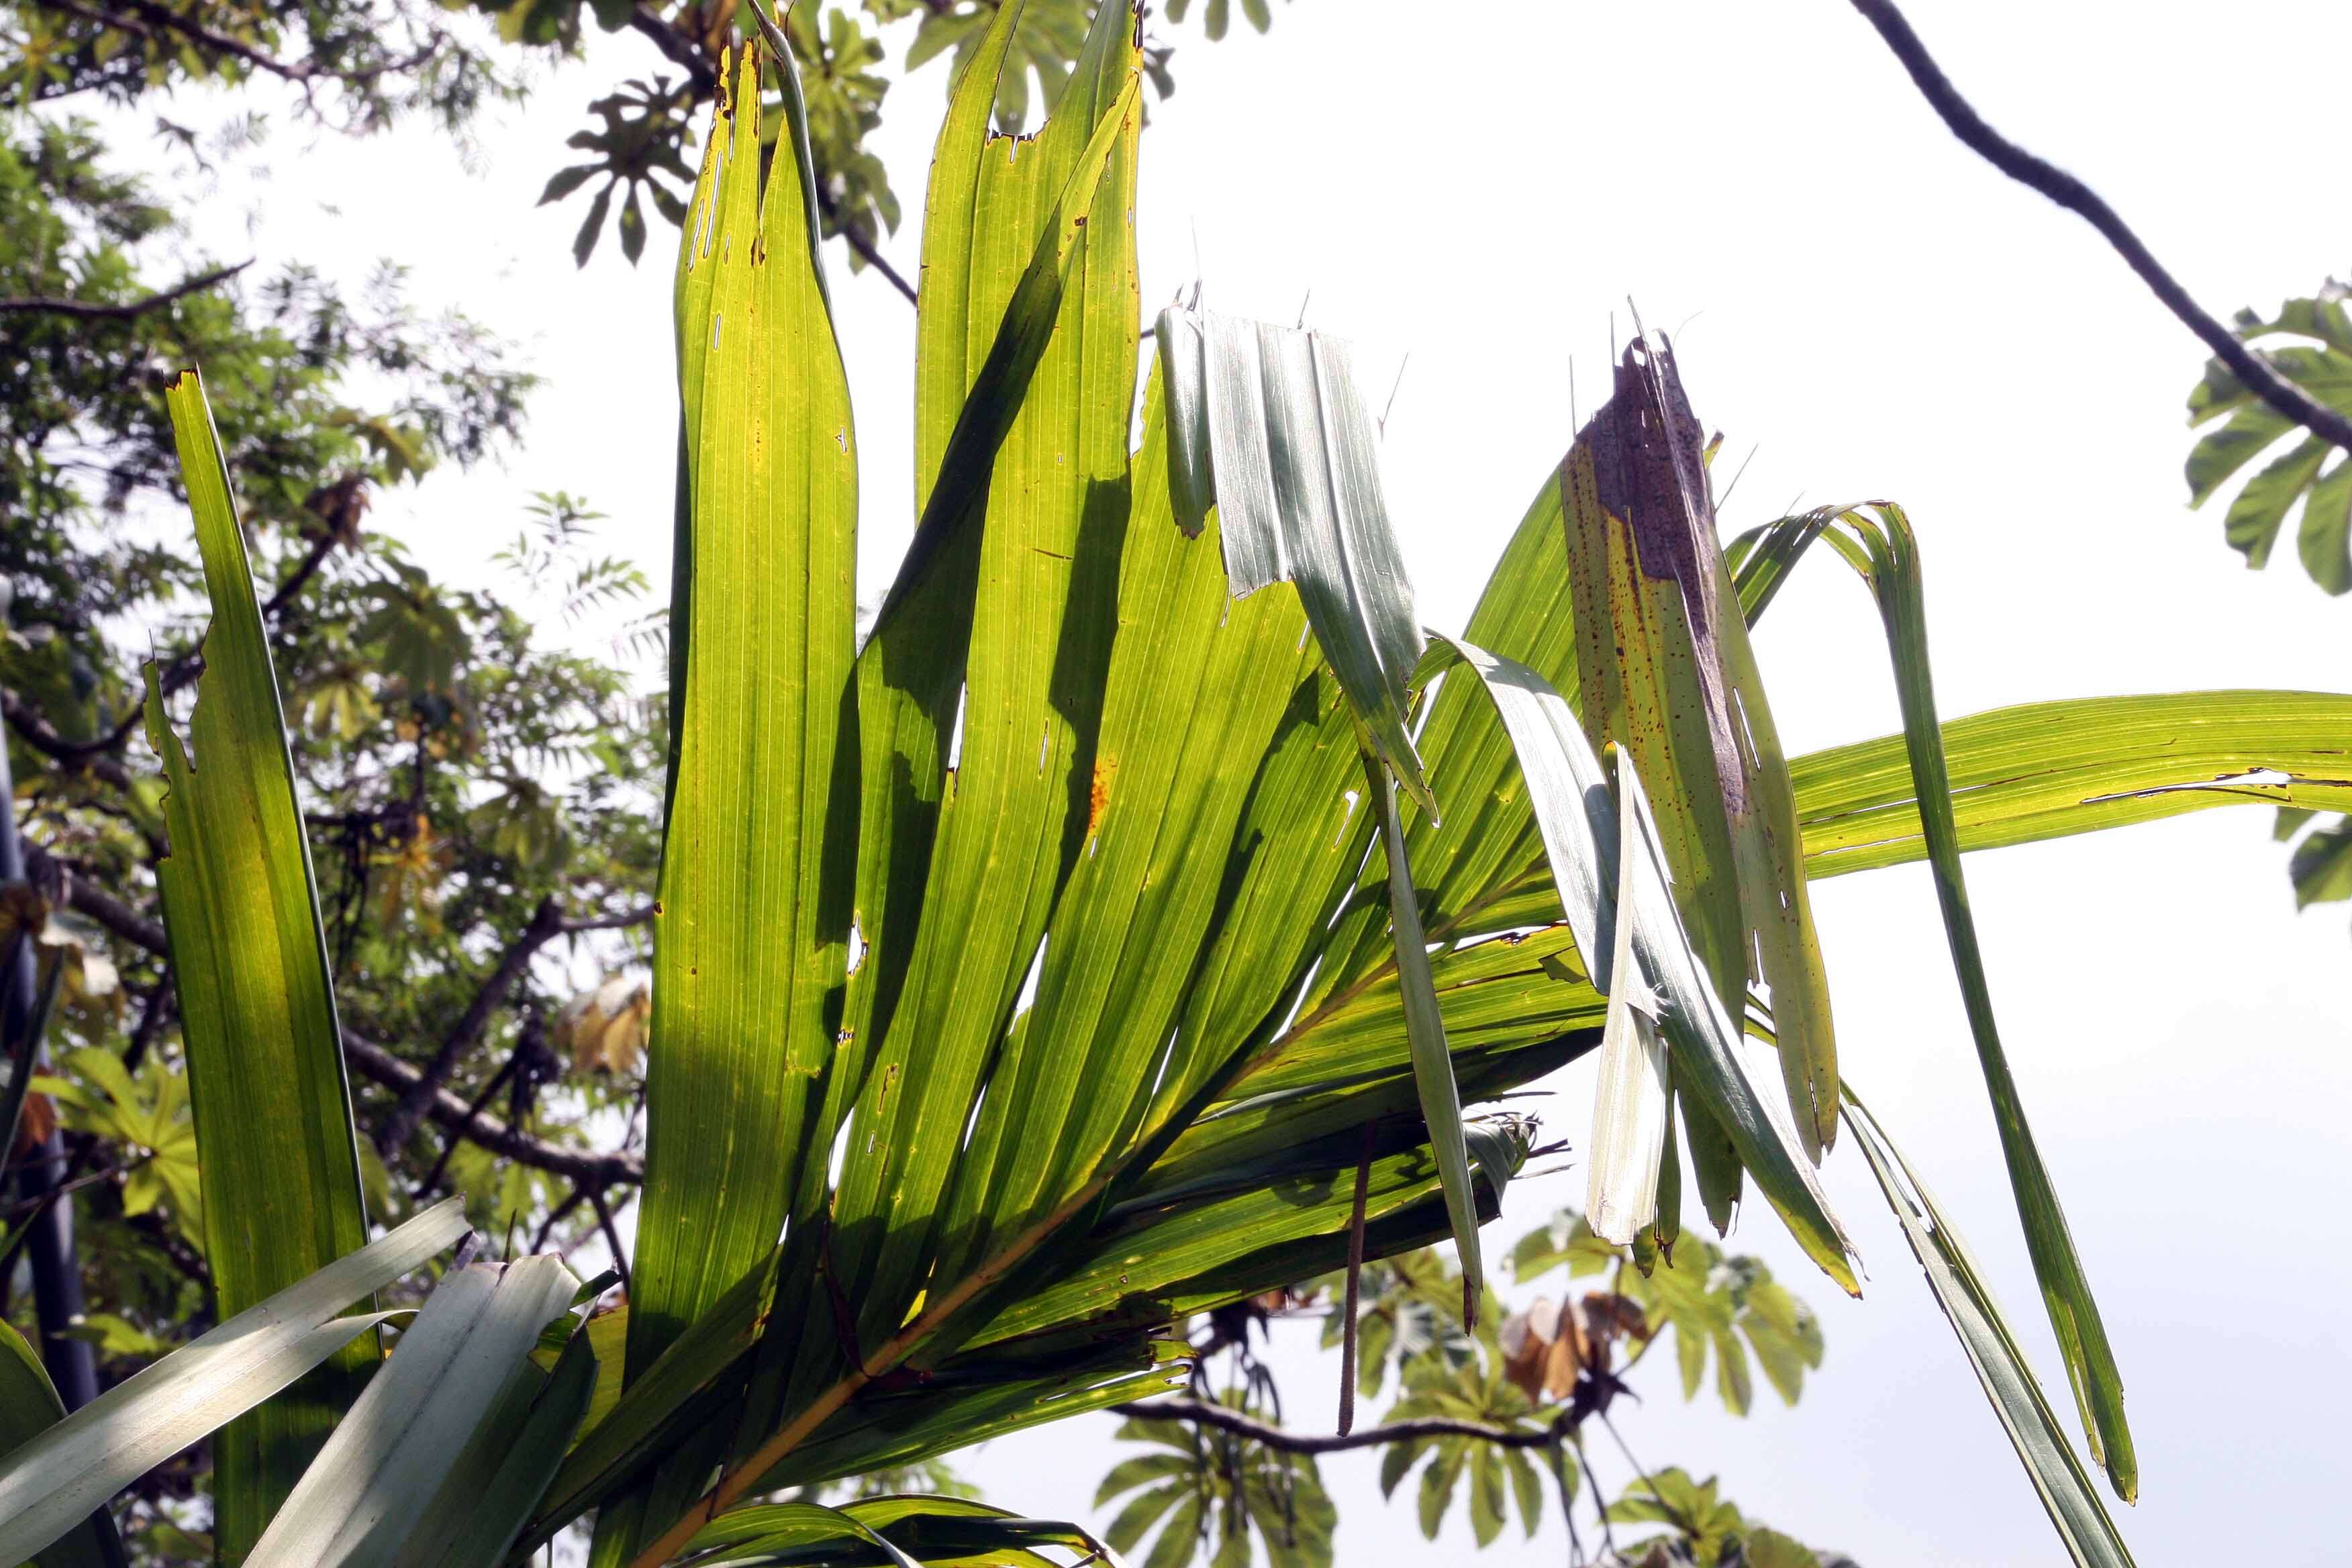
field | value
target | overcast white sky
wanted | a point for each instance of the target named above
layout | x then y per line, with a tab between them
1480	187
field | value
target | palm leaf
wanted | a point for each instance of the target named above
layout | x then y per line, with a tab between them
51	1484
1040	525
2051	769
1665	670
2065	1490
281	1182
750	934
397	1482
1266	426
28	1406
1570	795
1883	550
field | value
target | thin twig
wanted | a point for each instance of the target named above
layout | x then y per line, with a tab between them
612	1236
1355	1286
180	672
485	1131
1599	1503
555	1217
1669	1509
546	925
96	311
161	1003
623	920
458	1135
304	570
173	1246
74	1179
2327	423
676	46
864	247
37	733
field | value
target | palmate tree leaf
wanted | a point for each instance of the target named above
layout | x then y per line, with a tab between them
1770	1549
2067	1491
1665	670
28	1406
2321	364
1885	551
386	1489
2321	867
51	1484
281	1169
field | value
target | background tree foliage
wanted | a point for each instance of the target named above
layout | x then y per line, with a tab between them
2309	342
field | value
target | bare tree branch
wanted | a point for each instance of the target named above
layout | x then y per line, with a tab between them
546	925
26	720
87	899
371	1060
612	1235
380	1066
676	46
95	311
151	19
1201	1412
864	247
304	570
641	915
191	664
2327	423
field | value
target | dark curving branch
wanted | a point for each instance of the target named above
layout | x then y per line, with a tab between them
1201	1412
152	20
366	1058
379	1066
37	733
864	247
1965	123
546	925
96	310
677	47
